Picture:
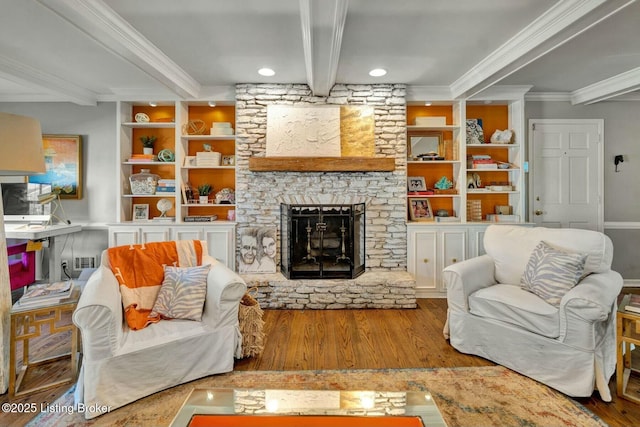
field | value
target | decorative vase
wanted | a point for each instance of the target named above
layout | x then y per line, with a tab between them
147	150
144	182
204	200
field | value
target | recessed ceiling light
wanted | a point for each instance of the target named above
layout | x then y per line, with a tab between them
153	104
377	72
267	72
211	103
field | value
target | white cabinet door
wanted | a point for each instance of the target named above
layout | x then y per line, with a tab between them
154	234
421	259
452	249
430	250
119	236
221	244
188	233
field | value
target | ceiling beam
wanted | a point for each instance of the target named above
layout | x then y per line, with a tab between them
31	77
562	22
620	84
105	26
322	24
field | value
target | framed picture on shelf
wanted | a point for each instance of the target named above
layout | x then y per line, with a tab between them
420	209
140	212
426	146
416	183
229	160
63	160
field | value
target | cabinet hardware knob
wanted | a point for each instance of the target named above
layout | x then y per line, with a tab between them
455	260
538	212
425	260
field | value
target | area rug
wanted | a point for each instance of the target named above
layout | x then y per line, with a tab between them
484	396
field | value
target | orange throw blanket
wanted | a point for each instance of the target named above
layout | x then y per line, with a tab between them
140	272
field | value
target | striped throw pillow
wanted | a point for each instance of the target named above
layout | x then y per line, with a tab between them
182	293
551	273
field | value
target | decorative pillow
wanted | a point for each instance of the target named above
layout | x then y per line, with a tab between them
551	273
182	293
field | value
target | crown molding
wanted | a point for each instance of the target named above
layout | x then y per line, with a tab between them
428	93
617	85
559	24
49	84
322	23
548	96
103	24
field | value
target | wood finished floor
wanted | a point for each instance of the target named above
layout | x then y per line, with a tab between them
347	339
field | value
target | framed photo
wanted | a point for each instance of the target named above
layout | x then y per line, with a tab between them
416	183
426	144
63	161
420	209
229	160
140	212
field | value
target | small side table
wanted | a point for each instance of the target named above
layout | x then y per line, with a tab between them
27	323
628	332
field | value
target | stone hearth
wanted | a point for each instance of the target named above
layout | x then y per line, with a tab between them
394	289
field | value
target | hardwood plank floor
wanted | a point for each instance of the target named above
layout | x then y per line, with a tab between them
354	339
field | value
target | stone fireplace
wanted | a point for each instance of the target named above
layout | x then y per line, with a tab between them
322	241
385	282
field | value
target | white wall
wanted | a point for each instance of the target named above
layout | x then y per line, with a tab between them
97	126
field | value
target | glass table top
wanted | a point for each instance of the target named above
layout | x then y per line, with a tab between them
350	405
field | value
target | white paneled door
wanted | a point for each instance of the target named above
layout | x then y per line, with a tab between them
566	173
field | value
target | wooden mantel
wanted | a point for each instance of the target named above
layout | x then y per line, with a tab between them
322	164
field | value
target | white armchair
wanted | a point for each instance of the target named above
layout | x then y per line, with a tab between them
570	347
120	365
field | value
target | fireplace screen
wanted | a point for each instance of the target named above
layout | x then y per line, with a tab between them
322	241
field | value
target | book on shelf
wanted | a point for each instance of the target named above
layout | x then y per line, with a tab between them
633	304
503	218
45	293
200	218
163	219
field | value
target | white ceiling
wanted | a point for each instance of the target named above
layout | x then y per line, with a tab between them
85	51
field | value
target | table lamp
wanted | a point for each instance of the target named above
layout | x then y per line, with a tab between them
21	154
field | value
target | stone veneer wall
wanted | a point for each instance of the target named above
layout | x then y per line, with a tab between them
259	194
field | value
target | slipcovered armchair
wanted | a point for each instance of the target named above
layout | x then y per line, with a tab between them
121	365
566	340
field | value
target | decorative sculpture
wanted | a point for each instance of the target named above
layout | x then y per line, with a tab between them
502	136
443	184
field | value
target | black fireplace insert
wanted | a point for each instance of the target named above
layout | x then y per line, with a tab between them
322	241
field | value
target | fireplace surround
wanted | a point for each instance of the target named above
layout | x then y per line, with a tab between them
322	241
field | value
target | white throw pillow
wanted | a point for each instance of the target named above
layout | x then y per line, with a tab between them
551	273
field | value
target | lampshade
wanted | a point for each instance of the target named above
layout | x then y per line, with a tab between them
21	150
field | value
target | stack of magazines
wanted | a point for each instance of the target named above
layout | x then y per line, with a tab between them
45	293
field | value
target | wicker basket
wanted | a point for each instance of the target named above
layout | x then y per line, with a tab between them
251	325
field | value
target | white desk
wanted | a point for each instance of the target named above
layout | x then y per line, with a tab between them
51	232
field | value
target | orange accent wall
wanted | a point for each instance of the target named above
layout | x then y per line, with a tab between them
493	117
414	111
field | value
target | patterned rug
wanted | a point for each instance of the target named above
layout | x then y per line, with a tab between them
484	396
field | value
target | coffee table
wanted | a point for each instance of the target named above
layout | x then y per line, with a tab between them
252	407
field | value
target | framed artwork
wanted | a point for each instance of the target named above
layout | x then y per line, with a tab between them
229	160
140	212
420	209
416	183
63	161
258	250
